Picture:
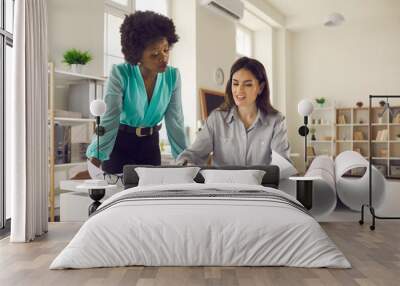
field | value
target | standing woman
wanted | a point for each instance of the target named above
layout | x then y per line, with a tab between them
139	94
246	128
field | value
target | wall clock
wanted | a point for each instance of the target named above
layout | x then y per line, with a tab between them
219	76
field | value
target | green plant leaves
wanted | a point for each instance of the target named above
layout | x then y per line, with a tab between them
74	56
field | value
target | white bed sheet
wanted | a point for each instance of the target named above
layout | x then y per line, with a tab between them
193	231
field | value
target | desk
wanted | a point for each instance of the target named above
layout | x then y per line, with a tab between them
304	190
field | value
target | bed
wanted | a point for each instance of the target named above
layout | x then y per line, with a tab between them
201	224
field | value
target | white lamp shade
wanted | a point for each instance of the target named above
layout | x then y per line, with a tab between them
334	19
305	107
98	107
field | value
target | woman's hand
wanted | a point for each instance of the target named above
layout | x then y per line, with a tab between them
84	175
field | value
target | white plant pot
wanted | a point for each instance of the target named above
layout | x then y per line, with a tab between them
76	68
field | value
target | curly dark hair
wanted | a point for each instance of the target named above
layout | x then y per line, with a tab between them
263	101
143	28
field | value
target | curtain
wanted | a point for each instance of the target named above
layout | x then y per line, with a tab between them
27	123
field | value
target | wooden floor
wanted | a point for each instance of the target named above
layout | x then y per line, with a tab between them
375	257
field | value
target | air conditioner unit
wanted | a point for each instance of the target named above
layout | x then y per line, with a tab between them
231	8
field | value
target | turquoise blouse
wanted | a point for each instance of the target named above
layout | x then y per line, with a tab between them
127	103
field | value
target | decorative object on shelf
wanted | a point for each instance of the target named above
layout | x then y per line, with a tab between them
359	104
76	59
334	19
219	76
319	121
98	107
312	131
320	101
386	107
382	135
342	119
383	152
397	137
382	103
361	121
313	121
396	119
305	108
358	135
326	138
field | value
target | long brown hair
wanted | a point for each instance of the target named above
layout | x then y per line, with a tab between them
263	101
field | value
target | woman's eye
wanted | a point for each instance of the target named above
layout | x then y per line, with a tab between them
235	84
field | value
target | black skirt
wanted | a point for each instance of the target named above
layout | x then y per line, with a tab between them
130	149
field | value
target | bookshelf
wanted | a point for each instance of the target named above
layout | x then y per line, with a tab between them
352	133
339	129
70	95
321	125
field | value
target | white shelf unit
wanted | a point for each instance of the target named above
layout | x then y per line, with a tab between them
385	152
321	123
61	88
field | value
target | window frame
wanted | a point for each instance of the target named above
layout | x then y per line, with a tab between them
251	36
120	10
6	39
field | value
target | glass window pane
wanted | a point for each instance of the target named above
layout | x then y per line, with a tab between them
1	15
109	61
120	2
8	70
159	6
10	15
113	35
243	42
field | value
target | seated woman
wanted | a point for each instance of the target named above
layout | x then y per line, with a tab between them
245	128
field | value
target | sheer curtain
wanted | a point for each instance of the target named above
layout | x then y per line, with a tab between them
27	123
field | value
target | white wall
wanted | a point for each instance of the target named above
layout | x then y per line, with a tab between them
346	64
183	56
76	24
216	47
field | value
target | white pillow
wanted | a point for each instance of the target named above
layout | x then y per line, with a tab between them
163	176
286	169
249	177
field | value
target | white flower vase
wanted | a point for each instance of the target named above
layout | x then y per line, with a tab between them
76	68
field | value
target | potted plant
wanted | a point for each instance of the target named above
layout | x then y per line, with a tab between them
312	131
76	59
320	101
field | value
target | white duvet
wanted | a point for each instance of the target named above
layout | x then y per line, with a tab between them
200	231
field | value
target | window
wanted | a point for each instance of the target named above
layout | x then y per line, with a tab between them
244	42
114	14
159	6
6	43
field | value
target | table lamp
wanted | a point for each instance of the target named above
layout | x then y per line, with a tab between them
305	108
97	108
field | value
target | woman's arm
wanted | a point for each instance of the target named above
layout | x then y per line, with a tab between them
198	152
279	141
174	121
110	120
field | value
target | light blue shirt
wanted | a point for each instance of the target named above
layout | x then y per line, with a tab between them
225	135
127	103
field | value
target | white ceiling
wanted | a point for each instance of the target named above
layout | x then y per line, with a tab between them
302	14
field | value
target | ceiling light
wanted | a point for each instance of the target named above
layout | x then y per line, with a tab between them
334	19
